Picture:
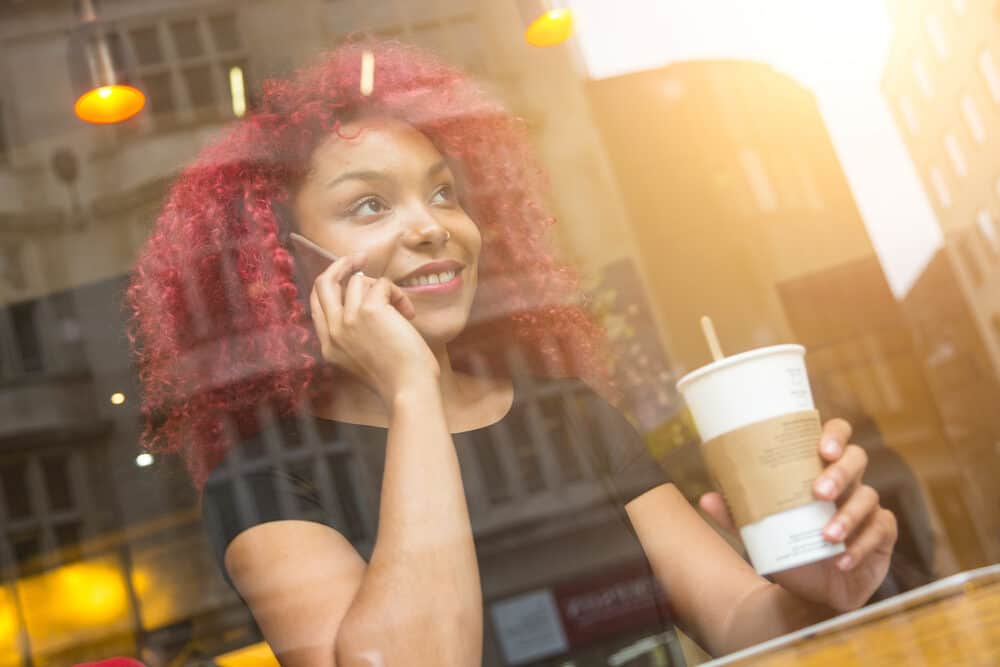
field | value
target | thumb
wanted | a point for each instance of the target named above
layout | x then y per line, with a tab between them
714	506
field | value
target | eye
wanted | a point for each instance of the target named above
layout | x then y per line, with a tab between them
368	206
444	195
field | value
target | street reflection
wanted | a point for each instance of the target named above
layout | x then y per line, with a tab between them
700	186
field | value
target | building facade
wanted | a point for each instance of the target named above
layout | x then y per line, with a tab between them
942	83
742	212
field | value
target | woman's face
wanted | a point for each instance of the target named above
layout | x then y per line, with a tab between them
388	193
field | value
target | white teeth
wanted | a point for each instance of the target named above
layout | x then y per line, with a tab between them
432	279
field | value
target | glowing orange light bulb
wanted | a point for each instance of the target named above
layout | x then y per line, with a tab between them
551	28
109	104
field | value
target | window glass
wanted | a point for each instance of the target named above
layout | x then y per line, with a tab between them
187	39
988	69
519	420
146	45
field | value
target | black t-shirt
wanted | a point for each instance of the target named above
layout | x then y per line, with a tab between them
560	453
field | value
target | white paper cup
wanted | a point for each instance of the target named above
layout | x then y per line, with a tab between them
746	389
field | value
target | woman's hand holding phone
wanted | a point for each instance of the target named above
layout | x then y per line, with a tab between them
363	326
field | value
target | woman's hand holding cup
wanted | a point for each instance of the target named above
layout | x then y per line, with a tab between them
867	530
363	326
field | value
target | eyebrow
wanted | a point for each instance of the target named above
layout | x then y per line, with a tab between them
371	175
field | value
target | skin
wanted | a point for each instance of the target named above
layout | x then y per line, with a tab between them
418	599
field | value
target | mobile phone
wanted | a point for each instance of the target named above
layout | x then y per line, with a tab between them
311	259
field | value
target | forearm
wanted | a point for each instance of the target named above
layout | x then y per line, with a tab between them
420	600
768	611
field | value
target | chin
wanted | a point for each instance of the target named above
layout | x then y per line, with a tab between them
439	330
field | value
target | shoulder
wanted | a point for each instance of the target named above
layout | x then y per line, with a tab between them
251	486
577	403
617	449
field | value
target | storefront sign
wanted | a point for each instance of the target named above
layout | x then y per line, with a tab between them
608	604
528	627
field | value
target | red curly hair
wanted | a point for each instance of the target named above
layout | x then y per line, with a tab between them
218	325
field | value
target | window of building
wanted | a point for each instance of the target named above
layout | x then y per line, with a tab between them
988	68
988	230
923	80
966	248
909	114
760	182
936	35
813	193
12	273
4	147
955	154
41	507
183	65
26	337
940	188
972	119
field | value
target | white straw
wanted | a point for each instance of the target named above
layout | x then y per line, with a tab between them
367	73
713	340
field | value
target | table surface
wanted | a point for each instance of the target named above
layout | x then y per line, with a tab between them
955	621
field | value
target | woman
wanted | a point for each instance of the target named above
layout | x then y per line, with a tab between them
424	176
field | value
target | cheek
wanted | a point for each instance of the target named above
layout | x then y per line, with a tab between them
473	240
376	249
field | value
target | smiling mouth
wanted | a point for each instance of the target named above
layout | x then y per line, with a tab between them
444	281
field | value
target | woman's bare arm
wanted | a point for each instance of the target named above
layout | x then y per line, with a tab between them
716	595
417	602
298	578
420	600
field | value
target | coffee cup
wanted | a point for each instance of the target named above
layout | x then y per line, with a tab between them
760	432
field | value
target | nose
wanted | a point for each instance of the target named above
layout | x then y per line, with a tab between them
422	229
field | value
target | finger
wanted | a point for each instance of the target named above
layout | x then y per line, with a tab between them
329	349
329	287
388	291
343	267
838	477
354	295
856	510
836	434
714	506
878	535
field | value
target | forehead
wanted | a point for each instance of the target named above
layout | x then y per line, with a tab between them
373	143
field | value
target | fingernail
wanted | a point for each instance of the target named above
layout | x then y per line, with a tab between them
835	531
830	447
846	562
826	487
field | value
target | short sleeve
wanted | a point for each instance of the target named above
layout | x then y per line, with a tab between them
239	495
621	451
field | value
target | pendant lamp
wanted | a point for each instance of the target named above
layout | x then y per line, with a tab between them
546	22
102	97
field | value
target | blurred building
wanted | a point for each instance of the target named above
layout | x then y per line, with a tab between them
866	365
942	82
731	186
959	372
103	557
742	212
